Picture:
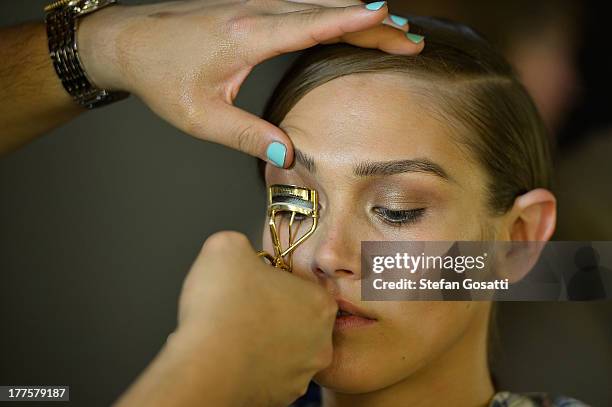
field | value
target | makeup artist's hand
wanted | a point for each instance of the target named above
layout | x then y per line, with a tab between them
248	334
187	60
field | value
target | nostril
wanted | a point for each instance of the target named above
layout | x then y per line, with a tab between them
343	272
335	273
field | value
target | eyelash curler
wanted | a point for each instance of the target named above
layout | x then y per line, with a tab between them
298	204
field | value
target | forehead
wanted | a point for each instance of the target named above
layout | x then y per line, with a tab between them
376	117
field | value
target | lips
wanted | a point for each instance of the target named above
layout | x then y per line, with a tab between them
346	307
351	316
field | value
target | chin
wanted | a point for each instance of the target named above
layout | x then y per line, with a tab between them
354	373
342	381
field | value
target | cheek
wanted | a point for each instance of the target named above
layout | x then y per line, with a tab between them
426	329
409	336
465	220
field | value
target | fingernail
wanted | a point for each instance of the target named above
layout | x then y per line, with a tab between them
276	153
416	38
377	5
401	21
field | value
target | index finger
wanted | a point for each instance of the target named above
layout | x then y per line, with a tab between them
303	29
384	38
399	22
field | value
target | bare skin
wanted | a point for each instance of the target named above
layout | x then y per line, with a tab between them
185	60
415	353
234	345
38	101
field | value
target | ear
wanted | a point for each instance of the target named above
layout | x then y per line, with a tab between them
531	222
533	216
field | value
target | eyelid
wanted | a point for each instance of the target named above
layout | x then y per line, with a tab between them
400	200
411	215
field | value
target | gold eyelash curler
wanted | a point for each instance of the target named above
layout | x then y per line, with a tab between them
299	204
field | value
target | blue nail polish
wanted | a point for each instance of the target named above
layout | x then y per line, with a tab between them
276	153
416	38
401	21
377	5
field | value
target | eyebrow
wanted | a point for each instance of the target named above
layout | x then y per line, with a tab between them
385	168
305	160
381	168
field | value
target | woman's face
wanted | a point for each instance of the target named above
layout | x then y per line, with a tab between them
385	169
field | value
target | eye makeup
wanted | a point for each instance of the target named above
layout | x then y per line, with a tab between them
388	203
399	217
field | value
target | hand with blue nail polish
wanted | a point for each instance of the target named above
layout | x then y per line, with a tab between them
377	5
398	20
193	86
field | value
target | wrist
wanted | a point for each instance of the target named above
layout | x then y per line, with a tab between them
191	369
97	39
211	363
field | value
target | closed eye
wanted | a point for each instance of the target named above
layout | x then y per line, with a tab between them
399	217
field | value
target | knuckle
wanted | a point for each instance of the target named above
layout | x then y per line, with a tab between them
239	27
247	138
312	19
222	240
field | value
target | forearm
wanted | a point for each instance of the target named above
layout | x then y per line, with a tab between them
32	98
192	371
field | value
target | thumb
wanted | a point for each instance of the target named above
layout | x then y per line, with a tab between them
233	127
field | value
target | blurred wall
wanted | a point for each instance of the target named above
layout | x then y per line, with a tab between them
101	219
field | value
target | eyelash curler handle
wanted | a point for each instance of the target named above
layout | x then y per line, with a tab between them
277	262
295	200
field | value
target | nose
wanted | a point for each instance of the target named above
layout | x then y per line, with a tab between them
336	251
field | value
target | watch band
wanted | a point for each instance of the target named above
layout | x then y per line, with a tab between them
62	19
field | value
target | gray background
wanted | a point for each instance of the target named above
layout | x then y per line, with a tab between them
101	219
